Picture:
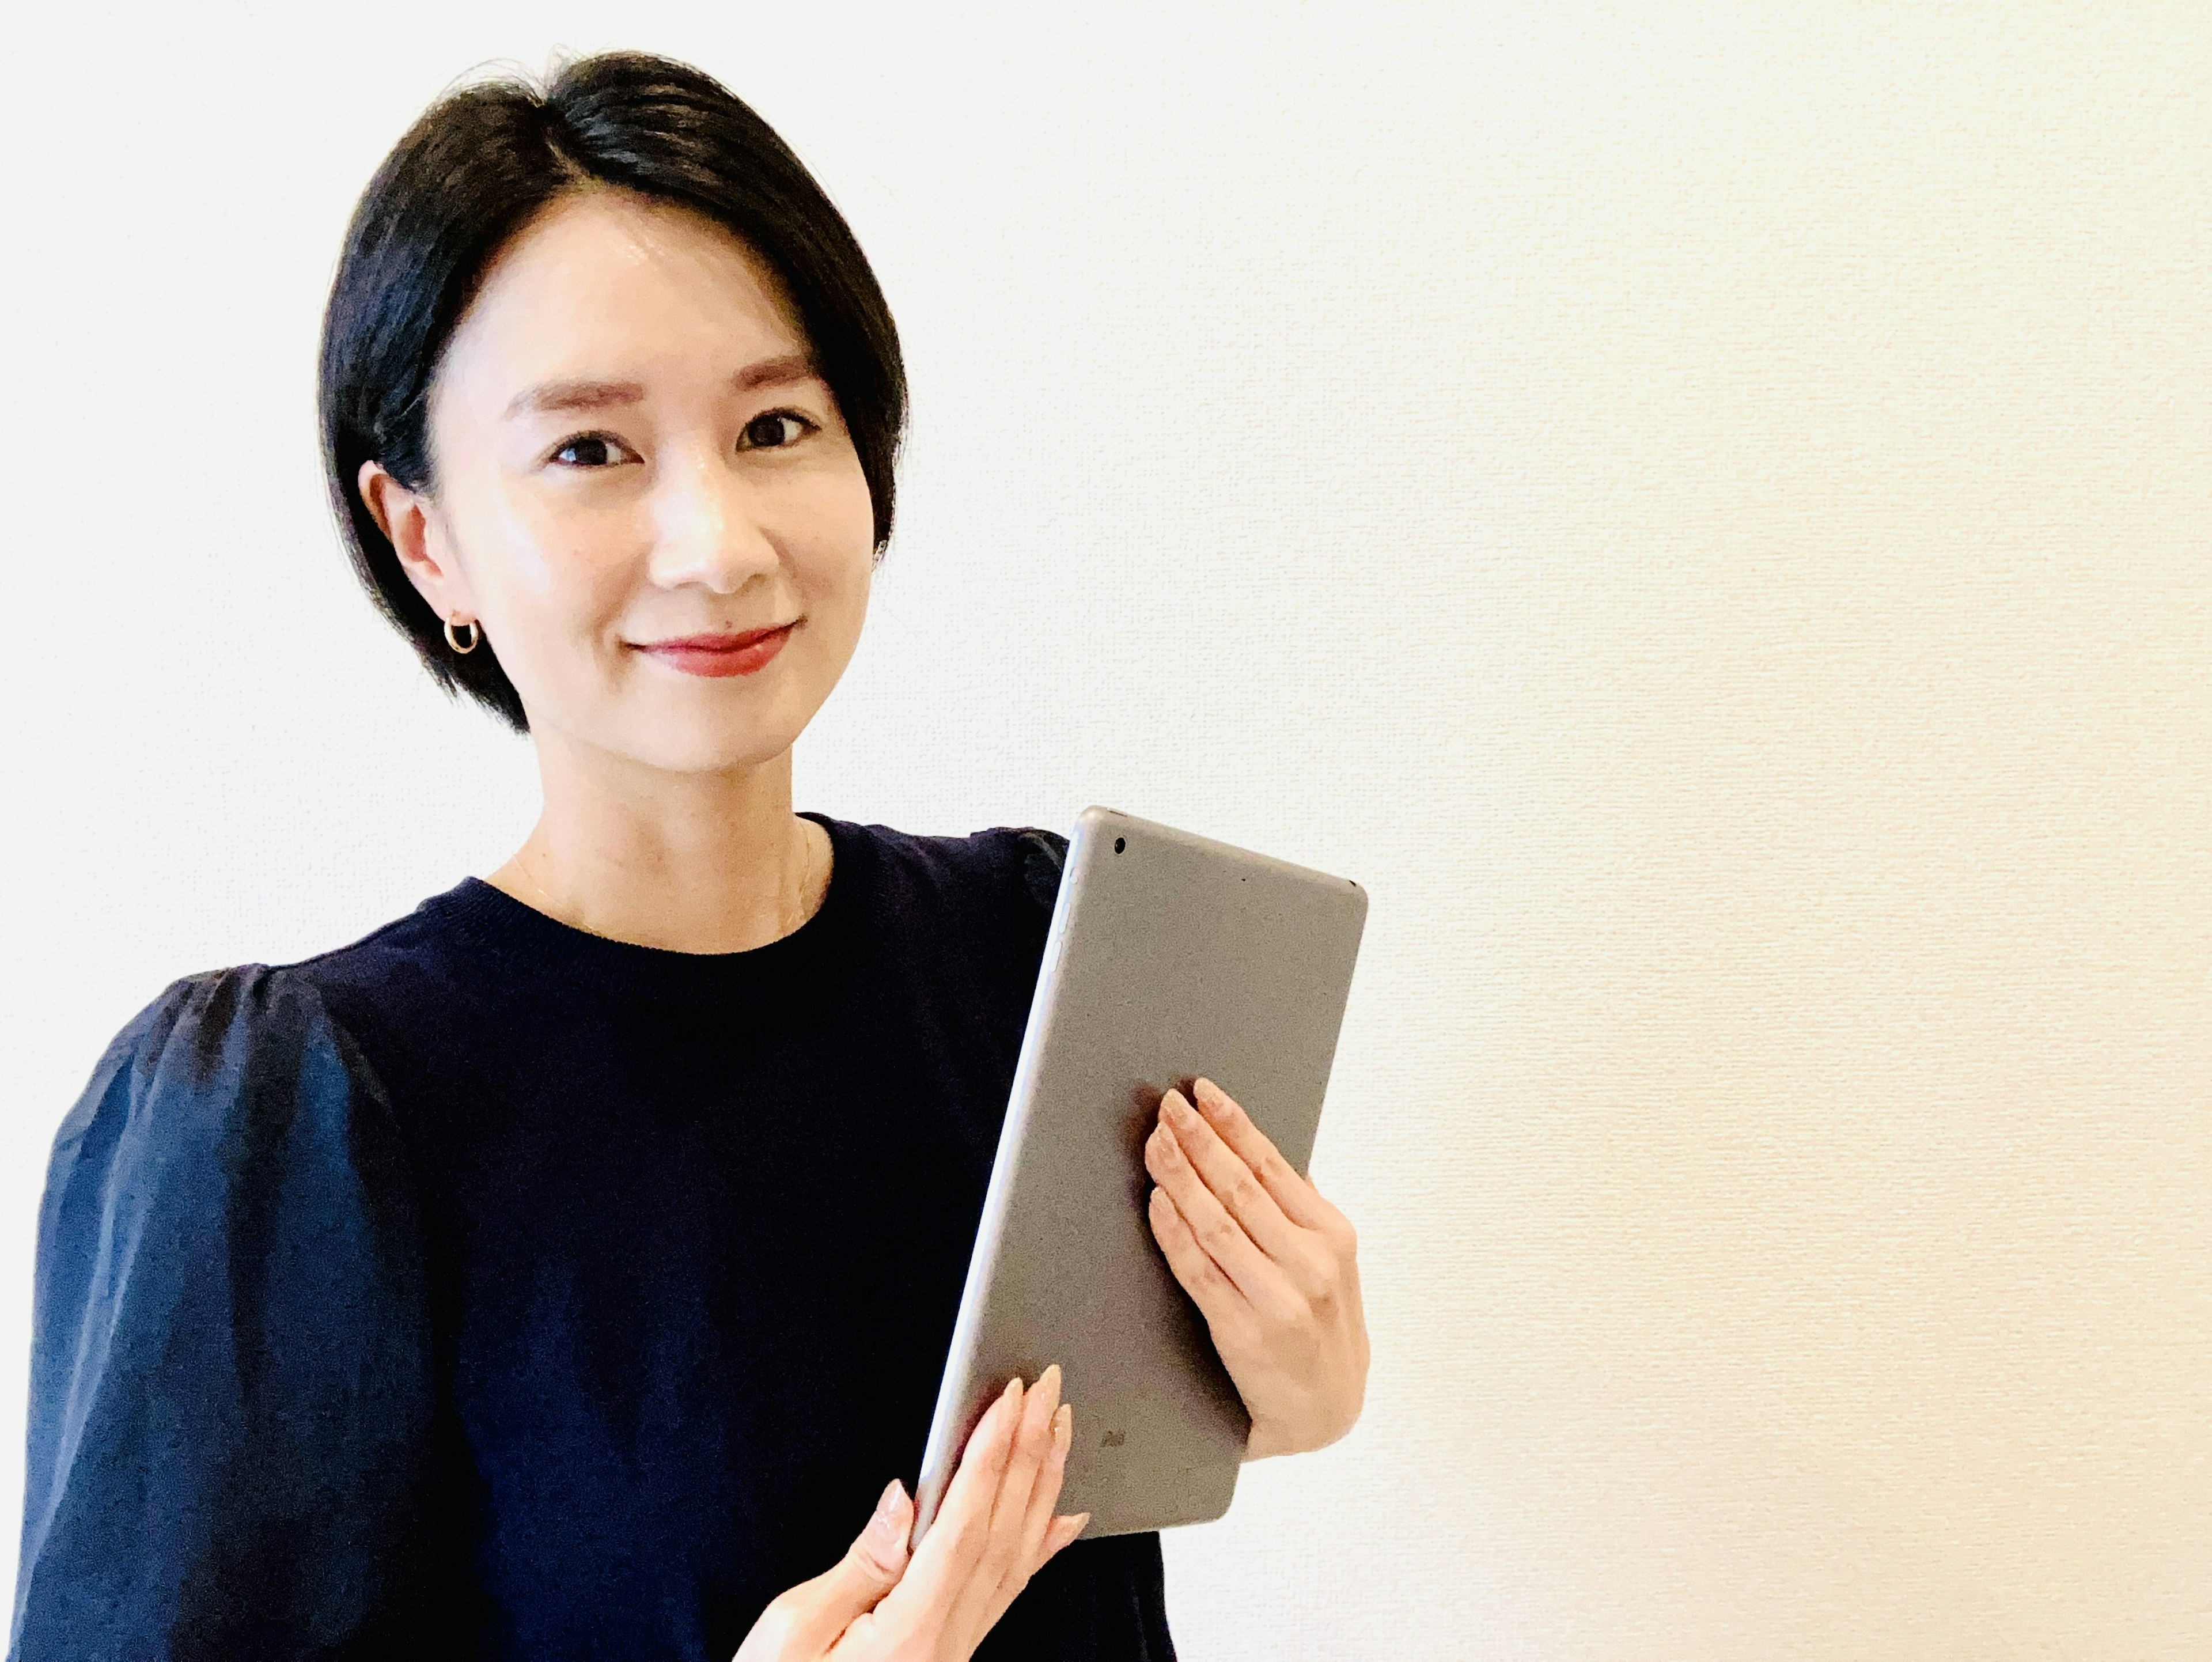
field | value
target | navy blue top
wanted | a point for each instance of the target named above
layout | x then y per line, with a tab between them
490	1288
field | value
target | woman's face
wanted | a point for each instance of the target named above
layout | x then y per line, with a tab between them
629	448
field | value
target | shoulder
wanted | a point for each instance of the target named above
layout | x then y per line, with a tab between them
230	1160
1043	853
222	1073
228	1336
1003	867
220	1027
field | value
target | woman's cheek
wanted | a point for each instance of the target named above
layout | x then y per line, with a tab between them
843	618
575	579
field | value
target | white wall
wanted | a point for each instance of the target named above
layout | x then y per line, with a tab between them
1702	509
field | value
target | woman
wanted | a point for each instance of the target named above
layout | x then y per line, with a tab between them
559	1270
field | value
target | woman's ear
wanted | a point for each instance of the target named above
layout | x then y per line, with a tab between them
410	523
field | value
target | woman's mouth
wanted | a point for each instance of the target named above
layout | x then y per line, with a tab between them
721	655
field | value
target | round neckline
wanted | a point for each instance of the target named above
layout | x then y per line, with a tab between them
540	944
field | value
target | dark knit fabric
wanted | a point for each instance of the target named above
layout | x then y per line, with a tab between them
489	1288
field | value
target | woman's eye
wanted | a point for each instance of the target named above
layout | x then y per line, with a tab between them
775	429
591	450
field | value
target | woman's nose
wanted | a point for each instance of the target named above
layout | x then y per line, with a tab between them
708	528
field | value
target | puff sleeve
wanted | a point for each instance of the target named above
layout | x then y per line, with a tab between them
1044	855
231	1384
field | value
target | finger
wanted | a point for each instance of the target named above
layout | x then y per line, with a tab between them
1218	1298
1044	1495
1032	1447
947	1555
879	1551
1314	1261
980	1597
1301	1202
1063	1531
1230	1176
1226	1242
1006	1558
807	1619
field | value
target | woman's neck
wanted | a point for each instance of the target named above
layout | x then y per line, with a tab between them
691	863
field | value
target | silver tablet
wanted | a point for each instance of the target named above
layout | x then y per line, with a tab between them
1170	956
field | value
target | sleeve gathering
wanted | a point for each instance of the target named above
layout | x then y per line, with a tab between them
1044	853
231	1390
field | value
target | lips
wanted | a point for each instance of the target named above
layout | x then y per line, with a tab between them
714	642
721	655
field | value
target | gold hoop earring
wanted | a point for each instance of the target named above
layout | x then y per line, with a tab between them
475	637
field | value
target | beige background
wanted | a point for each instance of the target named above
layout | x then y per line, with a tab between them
1702	509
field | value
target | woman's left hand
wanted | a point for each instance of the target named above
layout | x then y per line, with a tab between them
1271	1266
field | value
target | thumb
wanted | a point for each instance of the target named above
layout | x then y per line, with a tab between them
876	1558
820	1611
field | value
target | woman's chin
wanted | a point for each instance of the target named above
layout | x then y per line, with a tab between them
681	747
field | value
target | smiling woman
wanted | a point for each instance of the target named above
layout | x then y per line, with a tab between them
484	167
633	462
560	1269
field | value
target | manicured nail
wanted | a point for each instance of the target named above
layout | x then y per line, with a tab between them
883	1523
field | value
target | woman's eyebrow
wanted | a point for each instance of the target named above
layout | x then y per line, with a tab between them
555	395
774	371
551	396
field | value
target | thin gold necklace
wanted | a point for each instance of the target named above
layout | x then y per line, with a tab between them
806	886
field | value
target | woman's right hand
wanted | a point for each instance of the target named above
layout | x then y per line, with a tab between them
995	1529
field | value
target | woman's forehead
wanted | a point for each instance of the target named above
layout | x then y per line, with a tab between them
605	284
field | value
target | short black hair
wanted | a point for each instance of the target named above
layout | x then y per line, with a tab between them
476	167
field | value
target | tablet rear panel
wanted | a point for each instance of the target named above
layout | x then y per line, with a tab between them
1170	956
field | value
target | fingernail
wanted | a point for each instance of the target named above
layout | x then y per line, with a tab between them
883	1524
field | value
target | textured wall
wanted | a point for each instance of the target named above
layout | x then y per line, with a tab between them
1702	509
